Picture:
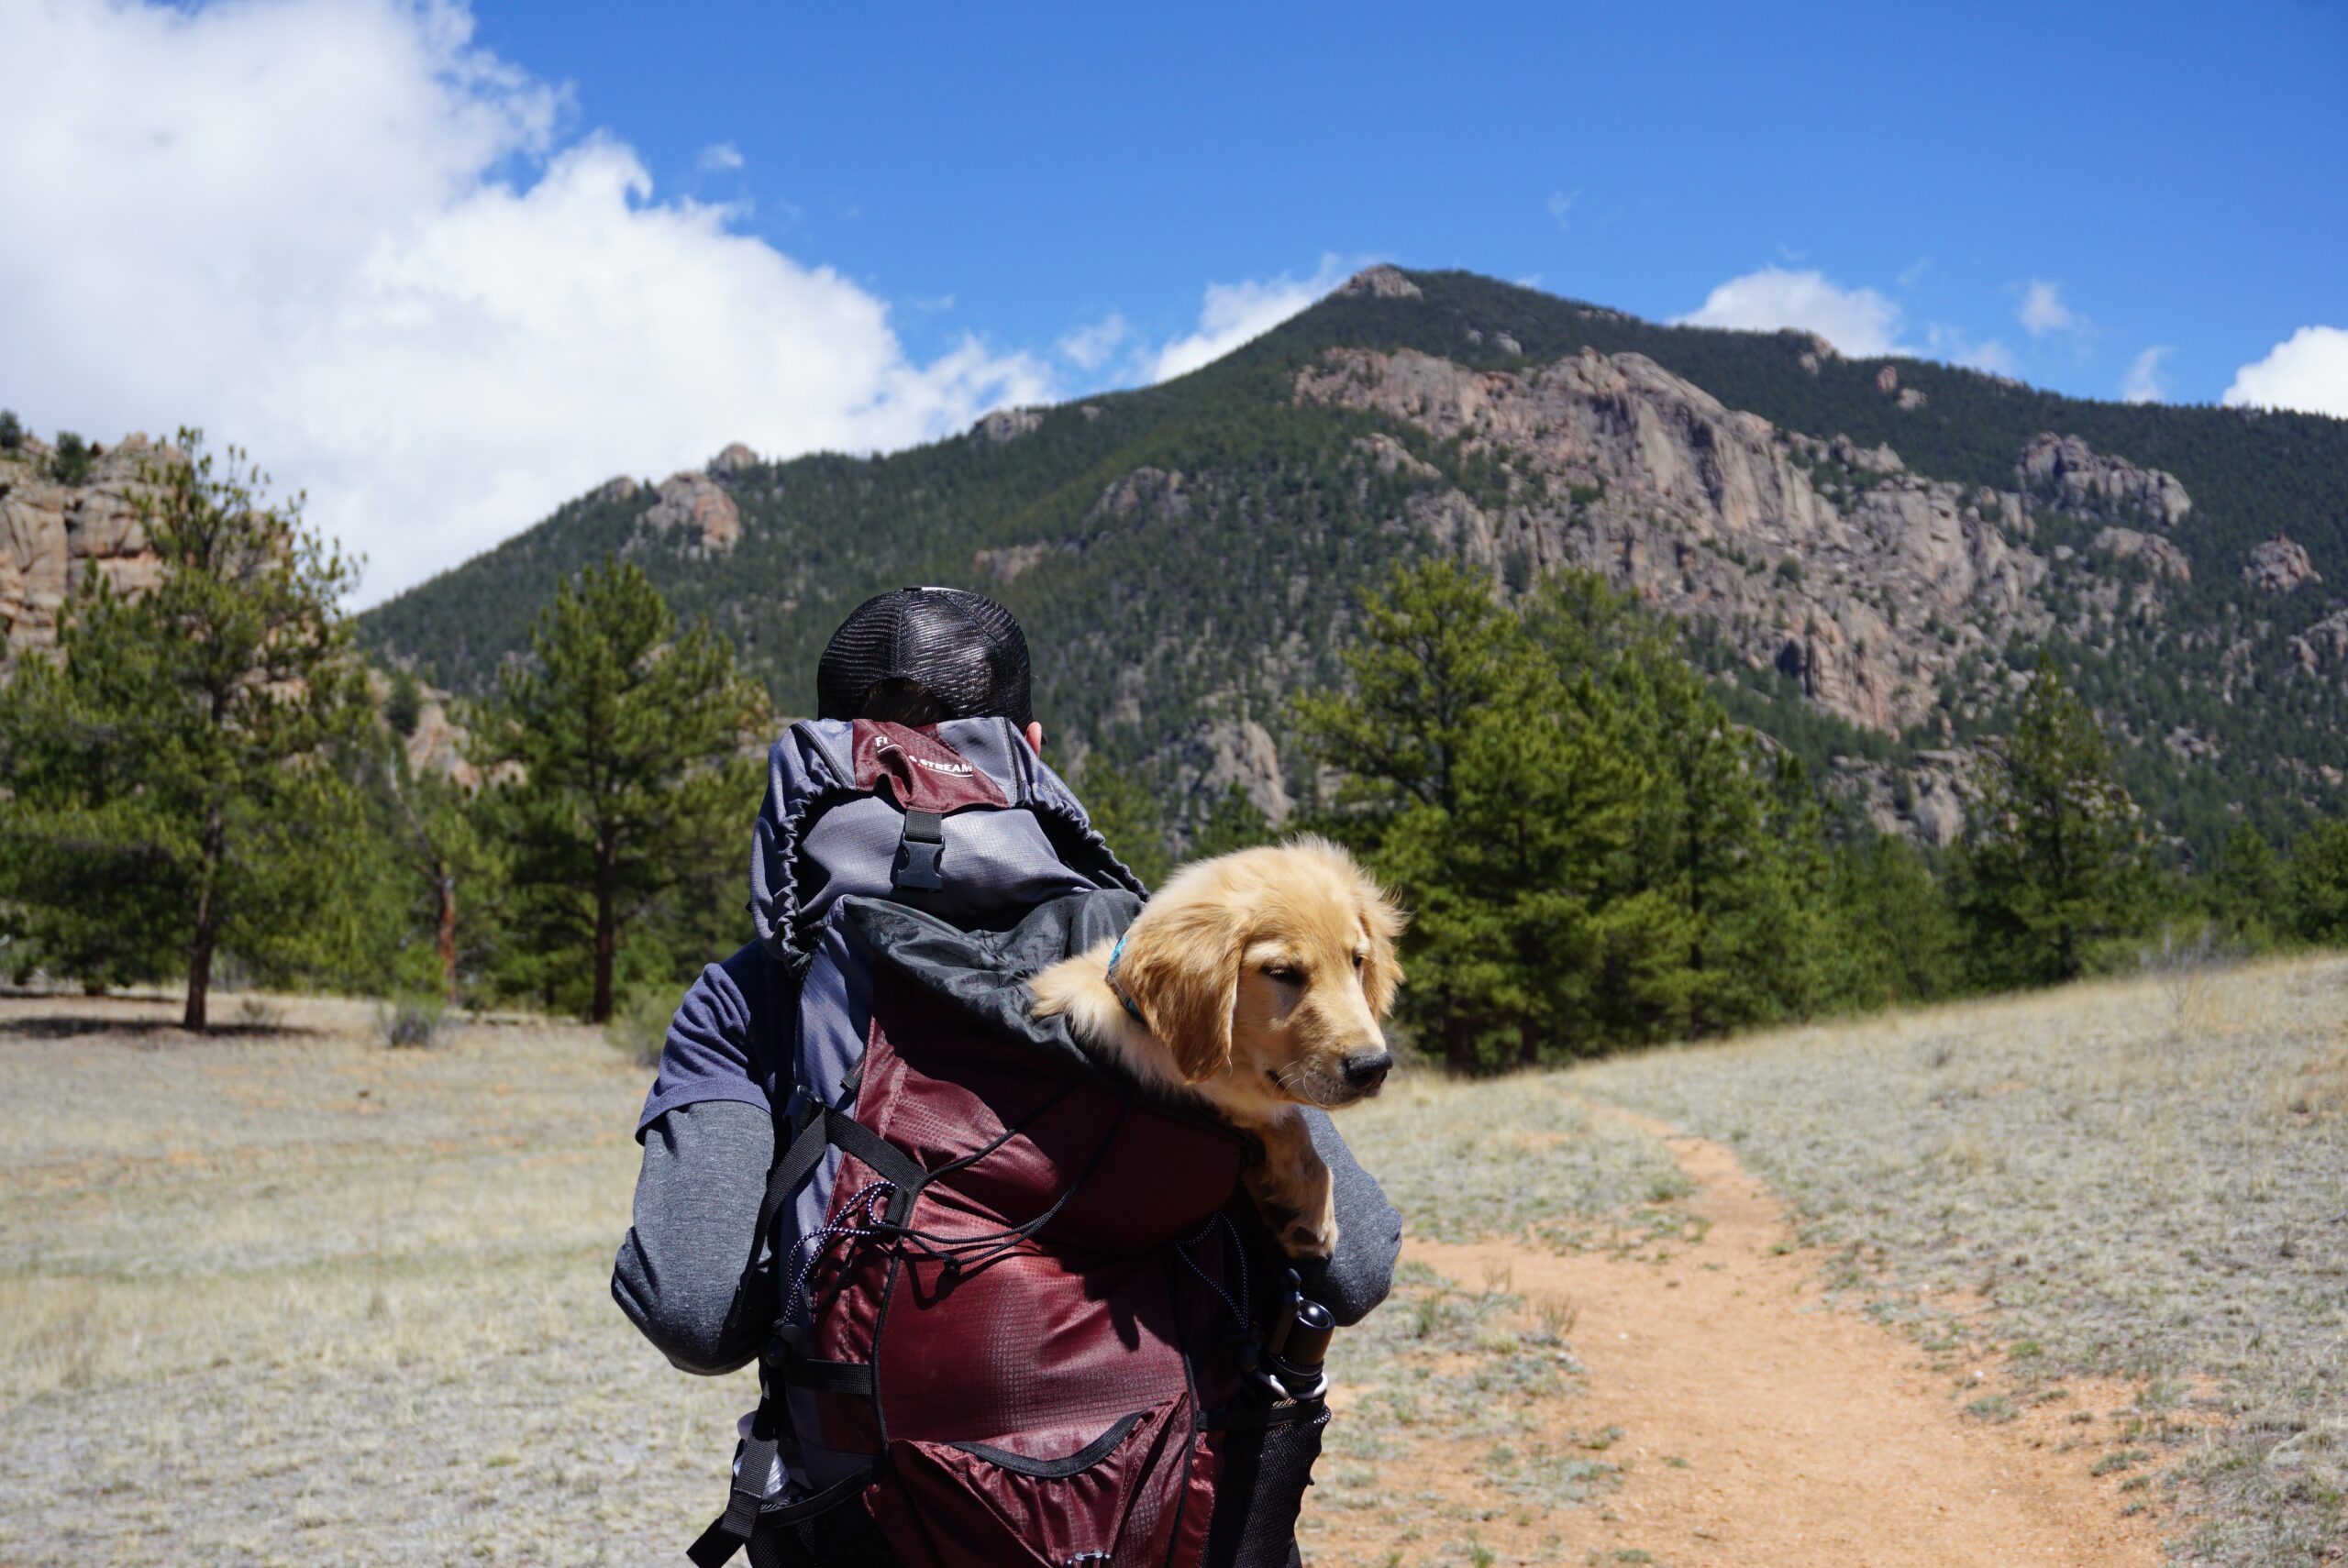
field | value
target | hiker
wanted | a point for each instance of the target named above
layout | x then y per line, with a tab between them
914	862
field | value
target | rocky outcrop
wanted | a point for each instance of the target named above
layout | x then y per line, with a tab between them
1811	350
1008	425
698	504
1924	801
438	743
2072	477
55	536
2322	648
2163	558
1240	750
1006	566
1390	456
1144	492
617	490
1829	561
1380	283
2278	566
736	459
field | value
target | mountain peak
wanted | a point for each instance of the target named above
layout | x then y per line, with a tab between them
1382	282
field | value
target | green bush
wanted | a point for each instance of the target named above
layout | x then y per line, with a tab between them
71	462
2319	879
414	1022
12	430
404	709
638	1026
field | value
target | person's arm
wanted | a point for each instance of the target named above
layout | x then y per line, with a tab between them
1369	1232
688	1273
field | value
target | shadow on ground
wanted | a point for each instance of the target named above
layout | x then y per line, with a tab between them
159	1032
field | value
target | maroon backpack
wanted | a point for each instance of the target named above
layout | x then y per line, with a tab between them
1020	1297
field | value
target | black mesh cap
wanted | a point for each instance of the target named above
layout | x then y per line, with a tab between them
963	647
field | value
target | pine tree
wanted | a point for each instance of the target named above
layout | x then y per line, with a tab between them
1435	649
404	707
173	772
2318	879
2247	891
1436	658
441	855
2056	856
1124	813
1896	935
1497	770
633	797
1235	822
71	462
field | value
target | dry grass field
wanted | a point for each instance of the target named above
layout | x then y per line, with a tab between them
288	1295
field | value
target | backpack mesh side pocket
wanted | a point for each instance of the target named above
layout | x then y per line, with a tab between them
1263	1466
813	1535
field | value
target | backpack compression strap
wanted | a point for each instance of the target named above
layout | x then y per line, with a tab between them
817	1128
731	1531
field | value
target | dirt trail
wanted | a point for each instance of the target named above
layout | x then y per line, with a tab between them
1812	1438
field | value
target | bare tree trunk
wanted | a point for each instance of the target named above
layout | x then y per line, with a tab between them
199	961
1459	1047
607	940
445	885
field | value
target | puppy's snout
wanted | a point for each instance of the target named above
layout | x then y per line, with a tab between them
1364	1070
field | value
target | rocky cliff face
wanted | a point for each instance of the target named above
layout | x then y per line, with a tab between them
1882	593
697	505
2278	566
1865	583
54	536
2071	477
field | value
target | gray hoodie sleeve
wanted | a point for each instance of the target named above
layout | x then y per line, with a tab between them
1369	1232
687	1275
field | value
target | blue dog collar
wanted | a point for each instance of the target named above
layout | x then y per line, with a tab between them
1131	1012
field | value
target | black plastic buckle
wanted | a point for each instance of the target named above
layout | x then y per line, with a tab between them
920	851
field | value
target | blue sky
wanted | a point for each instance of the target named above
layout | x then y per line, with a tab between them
2179	173
445	265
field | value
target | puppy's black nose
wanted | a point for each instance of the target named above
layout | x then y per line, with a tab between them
1368	1069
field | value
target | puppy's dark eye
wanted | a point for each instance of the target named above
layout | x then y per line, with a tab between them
1357	960
1283	974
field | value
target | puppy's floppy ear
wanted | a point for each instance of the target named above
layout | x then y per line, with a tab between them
1182	968
1383	920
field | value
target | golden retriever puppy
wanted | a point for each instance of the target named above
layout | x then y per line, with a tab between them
1255	982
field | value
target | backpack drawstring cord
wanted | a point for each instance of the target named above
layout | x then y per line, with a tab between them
1182	1250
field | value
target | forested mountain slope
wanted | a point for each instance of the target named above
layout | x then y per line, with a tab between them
1866	551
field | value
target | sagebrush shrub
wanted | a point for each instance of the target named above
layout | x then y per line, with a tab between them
638	1026
413	1022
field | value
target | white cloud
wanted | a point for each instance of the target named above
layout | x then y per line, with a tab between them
2042	311
1561	206
1991	356
2143	382
337	233
1861	323
1088	347
1956	346
719	158
2308	371
1234	314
